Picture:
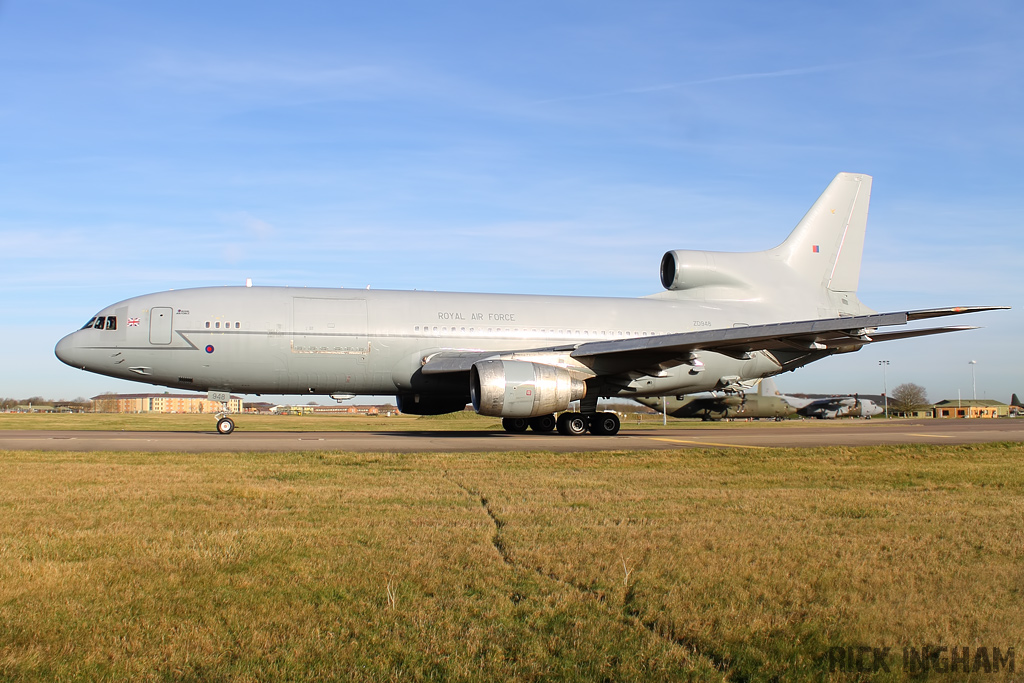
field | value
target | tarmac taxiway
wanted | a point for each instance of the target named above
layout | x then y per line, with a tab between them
753	435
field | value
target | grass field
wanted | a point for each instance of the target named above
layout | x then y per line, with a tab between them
668	565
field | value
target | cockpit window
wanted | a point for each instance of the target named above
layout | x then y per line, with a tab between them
89	324
111	322
100	320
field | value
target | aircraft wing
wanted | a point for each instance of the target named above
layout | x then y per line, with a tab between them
646	355
832	403
823	335
461	360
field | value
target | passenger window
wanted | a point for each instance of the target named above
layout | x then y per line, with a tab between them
207	325
238	325
217	324
111	322
99	322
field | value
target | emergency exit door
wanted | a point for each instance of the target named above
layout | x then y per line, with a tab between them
160	326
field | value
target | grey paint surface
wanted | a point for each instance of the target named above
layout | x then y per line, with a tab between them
725	321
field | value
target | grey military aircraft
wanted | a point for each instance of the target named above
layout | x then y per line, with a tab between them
766	403
832	407
723	321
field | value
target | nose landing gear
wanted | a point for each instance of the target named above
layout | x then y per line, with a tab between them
225	425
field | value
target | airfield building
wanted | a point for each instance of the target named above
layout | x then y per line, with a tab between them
161	403
971	408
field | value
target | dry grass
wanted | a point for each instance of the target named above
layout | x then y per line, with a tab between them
616	566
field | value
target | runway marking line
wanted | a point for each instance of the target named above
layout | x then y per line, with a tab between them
934	436
705	443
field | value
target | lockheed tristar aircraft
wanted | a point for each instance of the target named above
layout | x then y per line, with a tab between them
724	321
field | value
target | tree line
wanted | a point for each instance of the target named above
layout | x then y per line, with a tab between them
11	403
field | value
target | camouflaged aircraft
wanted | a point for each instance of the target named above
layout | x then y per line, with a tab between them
767	403
723	321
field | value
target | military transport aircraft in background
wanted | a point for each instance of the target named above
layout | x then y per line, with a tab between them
724	321
766	403
832	407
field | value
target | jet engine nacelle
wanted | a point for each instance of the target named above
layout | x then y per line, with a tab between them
686	269
512	388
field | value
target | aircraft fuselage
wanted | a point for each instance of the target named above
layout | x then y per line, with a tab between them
280	340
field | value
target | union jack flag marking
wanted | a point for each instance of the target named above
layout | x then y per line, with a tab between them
133	322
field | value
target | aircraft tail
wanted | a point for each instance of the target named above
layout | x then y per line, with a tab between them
817	266
827	244
767	387
1015	402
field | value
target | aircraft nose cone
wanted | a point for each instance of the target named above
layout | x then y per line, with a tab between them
68	352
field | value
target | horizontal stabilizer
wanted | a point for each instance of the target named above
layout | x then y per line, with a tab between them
890	336
926	313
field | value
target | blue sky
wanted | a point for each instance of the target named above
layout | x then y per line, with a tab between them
515	147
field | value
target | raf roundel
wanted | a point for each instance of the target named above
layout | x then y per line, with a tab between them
209	348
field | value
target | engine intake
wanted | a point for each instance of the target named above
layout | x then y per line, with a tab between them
511	388
687	269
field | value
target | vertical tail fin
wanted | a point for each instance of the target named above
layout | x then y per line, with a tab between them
827	244
767	387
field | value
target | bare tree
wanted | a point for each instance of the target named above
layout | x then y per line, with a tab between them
909	397
105	403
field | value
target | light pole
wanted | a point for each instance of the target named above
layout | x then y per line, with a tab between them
974	384
885	388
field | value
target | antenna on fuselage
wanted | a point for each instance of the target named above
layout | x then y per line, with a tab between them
248	282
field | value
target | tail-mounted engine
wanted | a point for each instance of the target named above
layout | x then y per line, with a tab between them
687	269
510	388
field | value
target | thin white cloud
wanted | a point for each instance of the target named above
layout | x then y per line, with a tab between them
761	75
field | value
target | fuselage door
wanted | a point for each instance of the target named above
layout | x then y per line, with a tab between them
160	320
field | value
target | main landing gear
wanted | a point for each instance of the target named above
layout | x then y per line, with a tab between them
517	425
569	424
